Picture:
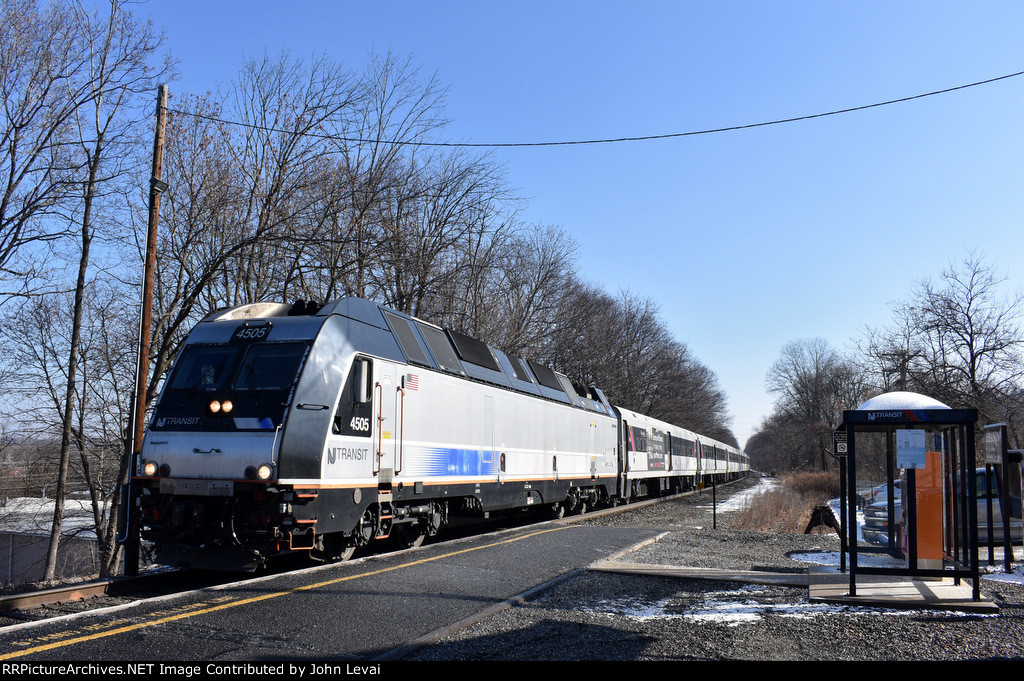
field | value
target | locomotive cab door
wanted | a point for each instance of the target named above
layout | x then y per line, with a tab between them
387	396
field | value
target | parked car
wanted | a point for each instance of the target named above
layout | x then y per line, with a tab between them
982	494
875	528
879	493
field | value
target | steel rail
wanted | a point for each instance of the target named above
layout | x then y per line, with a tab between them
79	592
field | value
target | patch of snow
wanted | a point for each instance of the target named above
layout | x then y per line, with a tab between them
29	515
731	613
633	609
997	573
738	501
740	606
831	558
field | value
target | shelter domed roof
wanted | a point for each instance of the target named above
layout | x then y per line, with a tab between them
901	400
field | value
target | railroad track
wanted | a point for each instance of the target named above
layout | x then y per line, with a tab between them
44	597
43	604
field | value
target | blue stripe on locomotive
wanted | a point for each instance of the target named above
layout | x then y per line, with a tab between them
450	461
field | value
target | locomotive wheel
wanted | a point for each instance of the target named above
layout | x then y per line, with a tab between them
409	535
336	548
557	511
366	529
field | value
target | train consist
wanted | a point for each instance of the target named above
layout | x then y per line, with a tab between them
323	428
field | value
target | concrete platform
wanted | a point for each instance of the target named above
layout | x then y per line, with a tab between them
828	585
799	579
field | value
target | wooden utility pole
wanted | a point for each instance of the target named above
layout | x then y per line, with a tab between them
156	187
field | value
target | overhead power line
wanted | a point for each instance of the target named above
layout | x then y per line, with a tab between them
610	140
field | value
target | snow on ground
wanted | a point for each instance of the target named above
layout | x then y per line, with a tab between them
995	573
747	604
27	515
738	501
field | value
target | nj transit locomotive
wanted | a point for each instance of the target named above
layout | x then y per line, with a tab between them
283	429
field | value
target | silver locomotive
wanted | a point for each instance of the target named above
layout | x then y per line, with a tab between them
321	429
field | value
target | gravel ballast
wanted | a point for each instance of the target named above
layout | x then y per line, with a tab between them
596	616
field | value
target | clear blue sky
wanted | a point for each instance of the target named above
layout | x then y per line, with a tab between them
747	240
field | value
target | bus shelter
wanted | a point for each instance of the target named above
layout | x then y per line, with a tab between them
932	448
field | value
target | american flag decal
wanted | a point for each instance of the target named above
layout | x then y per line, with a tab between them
412	382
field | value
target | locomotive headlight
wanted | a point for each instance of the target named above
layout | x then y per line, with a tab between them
221	406
265	471
149	468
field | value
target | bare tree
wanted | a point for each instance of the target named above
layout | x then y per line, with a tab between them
779	444
119	50
279	156
37	339
891	358
958	340
971	334
45	79
517	296
397	110
813	384
622	346
241	192
429	224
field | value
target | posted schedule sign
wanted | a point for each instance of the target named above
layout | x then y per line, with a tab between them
910	449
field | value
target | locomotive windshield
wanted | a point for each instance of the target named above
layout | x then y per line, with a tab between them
203	367
264	366
270	366
255	378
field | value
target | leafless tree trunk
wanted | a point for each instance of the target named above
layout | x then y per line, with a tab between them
37	341
119	49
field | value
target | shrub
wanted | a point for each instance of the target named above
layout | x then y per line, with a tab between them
819	487
788	507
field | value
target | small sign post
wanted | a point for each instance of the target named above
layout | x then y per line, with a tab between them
838	444
839	451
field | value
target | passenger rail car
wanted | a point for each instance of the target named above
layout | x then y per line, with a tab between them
282	429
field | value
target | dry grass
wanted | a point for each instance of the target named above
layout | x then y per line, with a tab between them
788	507
820	486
